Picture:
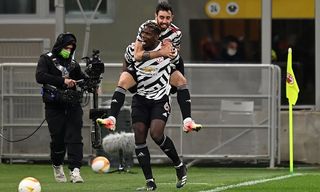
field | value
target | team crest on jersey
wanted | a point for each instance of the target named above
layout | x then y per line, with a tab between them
148	69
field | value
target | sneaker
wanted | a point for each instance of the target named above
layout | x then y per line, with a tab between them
150	186
189	125
58	173
75	176
181	175
108	123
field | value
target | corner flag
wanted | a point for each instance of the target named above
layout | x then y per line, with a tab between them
292	95
292	88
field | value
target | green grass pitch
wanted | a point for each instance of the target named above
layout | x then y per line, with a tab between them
210	179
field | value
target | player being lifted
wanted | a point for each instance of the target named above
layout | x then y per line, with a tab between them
170	37
151	106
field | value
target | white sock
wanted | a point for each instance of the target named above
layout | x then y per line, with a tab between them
188	119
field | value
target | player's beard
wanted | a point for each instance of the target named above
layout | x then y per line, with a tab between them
163	26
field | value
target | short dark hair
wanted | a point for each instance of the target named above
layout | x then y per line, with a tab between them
153	26
164	6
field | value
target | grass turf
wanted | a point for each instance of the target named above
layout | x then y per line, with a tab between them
199	179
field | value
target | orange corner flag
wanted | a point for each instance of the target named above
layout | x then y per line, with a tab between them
292	88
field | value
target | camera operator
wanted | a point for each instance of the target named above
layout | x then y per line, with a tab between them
58	73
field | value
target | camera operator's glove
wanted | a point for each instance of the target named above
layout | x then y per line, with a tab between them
108	123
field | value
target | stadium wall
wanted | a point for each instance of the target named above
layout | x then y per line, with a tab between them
306	136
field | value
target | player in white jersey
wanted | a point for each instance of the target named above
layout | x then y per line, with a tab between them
170	36
151	107
170	33
152	76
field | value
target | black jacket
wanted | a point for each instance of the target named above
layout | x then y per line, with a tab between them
48	73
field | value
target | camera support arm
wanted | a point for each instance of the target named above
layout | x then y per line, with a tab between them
94	69
95	132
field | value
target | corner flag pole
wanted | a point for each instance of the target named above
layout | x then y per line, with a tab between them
290	138
292	91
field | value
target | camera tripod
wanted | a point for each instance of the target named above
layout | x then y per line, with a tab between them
121	168
96	132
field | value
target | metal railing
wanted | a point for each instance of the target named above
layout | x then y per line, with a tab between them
233	131
22	50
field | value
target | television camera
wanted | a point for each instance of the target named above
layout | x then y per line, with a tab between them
94	69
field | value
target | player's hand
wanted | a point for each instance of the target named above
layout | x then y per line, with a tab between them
166	50
172	53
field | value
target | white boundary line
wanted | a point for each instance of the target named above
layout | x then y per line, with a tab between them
253	182
188	183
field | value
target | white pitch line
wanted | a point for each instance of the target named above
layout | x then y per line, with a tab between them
254	182
188	183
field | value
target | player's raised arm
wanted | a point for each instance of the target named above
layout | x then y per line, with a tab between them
141	55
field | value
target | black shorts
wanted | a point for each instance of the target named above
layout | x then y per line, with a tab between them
179	67
132	71
144	110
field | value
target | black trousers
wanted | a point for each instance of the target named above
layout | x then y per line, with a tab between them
65	126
